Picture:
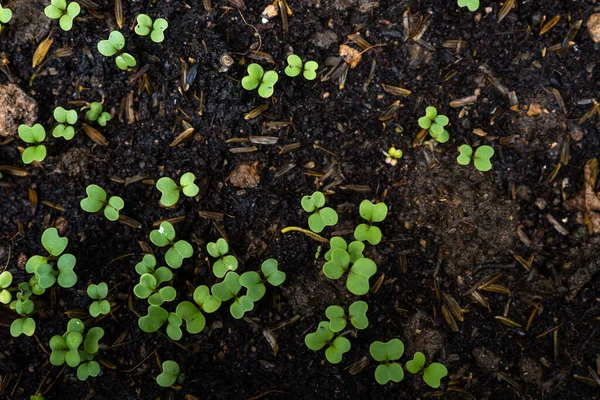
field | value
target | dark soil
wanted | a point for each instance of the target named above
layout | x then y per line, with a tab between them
456	228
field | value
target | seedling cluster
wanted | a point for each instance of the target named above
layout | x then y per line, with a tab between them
96	200
392	156
436	124
96	114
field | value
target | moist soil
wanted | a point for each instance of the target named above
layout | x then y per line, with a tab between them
449	232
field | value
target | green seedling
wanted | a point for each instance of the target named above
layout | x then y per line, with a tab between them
272	274
193	317
355	249
25	324
387	354
114	45
295	67
59	10
255	283
323	337
178	251
169	374
472	5
435	124
147	288
481	159
358	275
147	266
432	375
258	78
5	15
67	349
224	263
44	274
372	213
66	120
357	314
101	305
6	279
157	317
170	190
97	199
36	397
156	30
321	216
230	289
96	114
392	156
33	135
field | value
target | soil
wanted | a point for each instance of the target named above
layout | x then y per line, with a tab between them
450	230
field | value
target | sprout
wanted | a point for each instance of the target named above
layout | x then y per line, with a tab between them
96	200
372	213
294	68
322	216
170	190
155	30
58	9
358	275
387	354
5	15
193	317
147	265
355	249
472	5
481	159
435	124
258	78
224	263
24	325
98	292
178	251
322	337
169	374
271	273
95	113
432	375
33	135
392	156
112	46
229	289
66	120
5	281
157	317
147	288
357	314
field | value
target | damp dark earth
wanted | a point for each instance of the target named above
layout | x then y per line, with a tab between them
493	273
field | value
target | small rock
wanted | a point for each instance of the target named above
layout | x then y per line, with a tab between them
18	108
245	176
531	371
486	360
593	25
324	39
29	21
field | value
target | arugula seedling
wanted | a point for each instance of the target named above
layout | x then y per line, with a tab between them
321	216
472	5
147	288
169	374
33	135
481	159
170	190
229	289
295	67
96	114
193	317
147	266
355	249
96	200
258	78
156	30
178	251
114	45
272	274
357	281
225	263
435	124
387	354
372	213
432	375
5	15
357	314
58	9
157	317
66	120
323	337
25	324
6	279
392	156
101	305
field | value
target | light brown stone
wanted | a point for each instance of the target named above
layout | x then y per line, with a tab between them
593	26
16	108
245	176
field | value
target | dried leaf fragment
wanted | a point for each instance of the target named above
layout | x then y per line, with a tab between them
41	52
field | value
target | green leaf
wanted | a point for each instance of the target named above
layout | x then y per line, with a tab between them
337	349
389	372
416	364
205	300
329	216
154	320
161	24
433	374
34	134
318	339
144	25
162	274
355	249
294	66
177	253
424	122
59	347
174	326
442	120
73	9
464	157
5	15
98	291
54	12
372	234
358	277
66	22
385	352
96	199
193	317
146	287
169	374
53	243
66	277
435	130
224	265
253	79
24	326
270	271
227	289
373	212
310	70
90	345
146	266
5	279
443	137
482	158
115	204
335	242
169	190
106	48
85	370
34	153
252	281
240	306
357	312
164	294
189	188
265	90
64	131
117	40
313	202
337	267
431	113
337	318
157	36
164	235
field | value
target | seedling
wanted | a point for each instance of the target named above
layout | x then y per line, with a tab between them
147	266
67	349
193	317
6	279
225	263
323	337
355	249
58	9
34	135
148	289
258	78
472	5
96	200
5	15
66	120
357	314
169	374
274	276
387	354
295	67
170	190
322	216
372	213
481	159
392	156
157	317
178	251
24	307
358	275
230	289
95	113
432	375
44	274
435	124
101	305
114	45
155	30
254	282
